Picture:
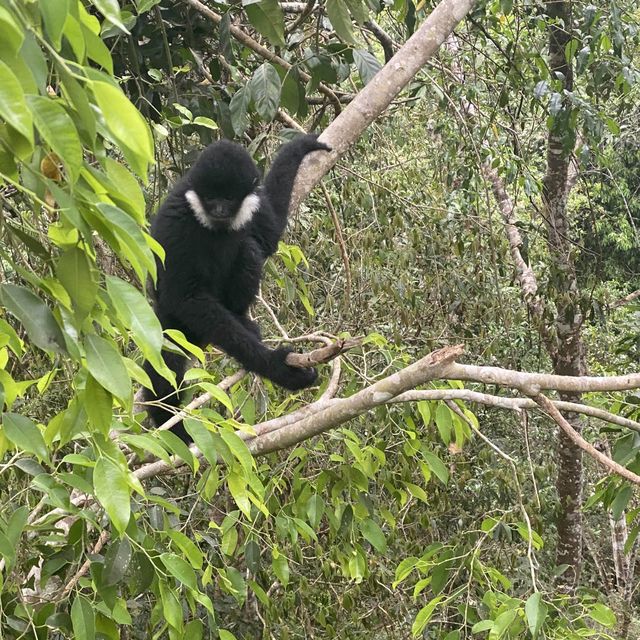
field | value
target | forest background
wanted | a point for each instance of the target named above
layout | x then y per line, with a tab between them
477	220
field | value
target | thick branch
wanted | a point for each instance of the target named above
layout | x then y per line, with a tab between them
380	92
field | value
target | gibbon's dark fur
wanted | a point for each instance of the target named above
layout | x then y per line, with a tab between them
217	227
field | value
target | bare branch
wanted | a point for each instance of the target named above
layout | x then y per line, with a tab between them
611	465
369	103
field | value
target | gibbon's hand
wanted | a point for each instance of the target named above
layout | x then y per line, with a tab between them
284	375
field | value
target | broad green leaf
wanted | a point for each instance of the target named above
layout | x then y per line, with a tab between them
315	510
179	338
239	449
502	623
111	11
602	614
238	110
106	366
24	434
265	90
83	619
266	16
137	315
536	612
206	122
437	466
218	394
171	606
194	630
129	233
293	95
374	535
112	491
12	34
74	35
367	65
59	132
77	277
444	422
124	121
358	9
116	561
146	442
34	315
13	107
338	14
280	566
54	13
177	447
126	183
424	615
188	547
17	523
98	404
180	569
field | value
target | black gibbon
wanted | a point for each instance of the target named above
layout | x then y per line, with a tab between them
218	226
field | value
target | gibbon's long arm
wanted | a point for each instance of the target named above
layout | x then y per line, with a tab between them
234	336
278	186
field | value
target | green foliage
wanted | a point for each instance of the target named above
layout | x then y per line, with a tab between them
400	523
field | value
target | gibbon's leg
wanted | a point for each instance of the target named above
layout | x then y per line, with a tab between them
164	393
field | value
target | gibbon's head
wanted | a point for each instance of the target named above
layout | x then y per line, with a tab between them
223	187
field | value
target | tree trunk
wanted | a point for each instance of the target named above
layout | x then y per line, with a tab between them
566	348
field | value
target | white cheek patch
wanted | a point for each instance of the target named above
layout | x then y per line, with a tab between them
197	207
248	207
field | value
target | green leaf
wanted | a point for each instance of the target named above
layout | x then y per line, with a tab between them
12	34
34	315
266	16
188	547
502	623
206	122
98	404
444	422
116	561
424	615
171	606
136	314
602	614
17	523
280	566
76	276
265	90
112	491
536	612
128	232
13	108
358	9
83	619
374	535
59	132
180	569
338	14
54	14
124	121
437	466
106	366
238	109
24	434
367	65
111	11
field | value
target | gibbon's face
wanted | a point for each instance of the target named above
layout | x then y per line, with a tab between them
224	189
